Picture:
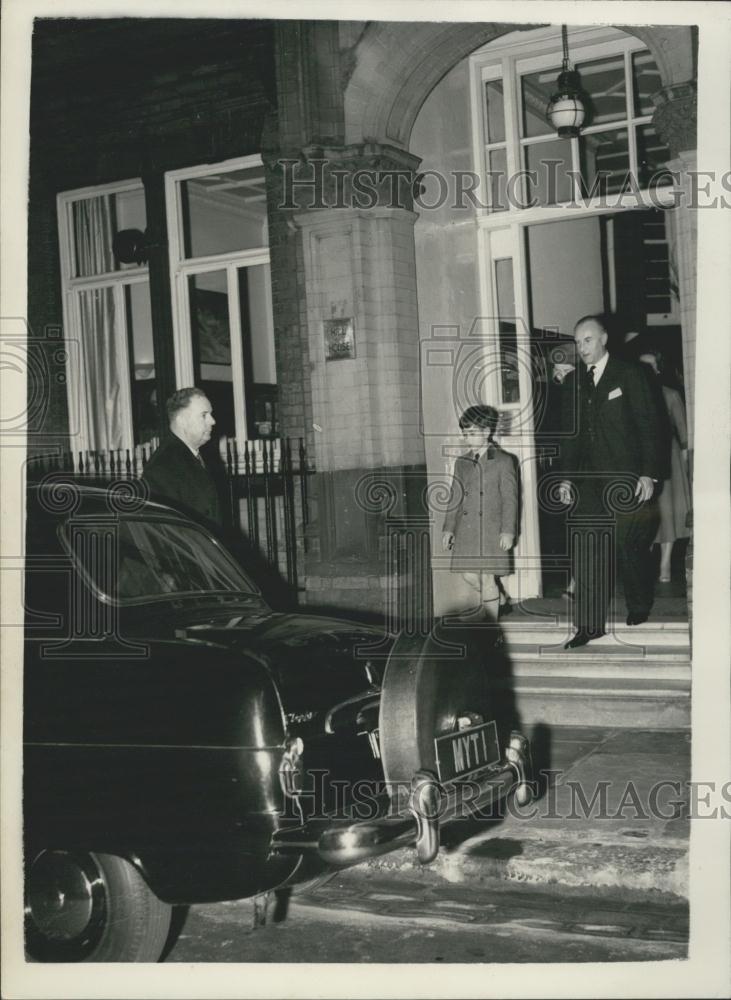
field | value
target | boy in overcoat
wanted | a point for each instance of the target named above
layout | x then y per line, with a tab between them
481	521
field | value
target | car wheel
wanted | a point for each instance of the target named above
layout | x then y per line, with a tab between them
83	907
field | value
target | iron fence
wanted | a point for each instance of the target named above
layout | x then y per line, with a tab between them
263	486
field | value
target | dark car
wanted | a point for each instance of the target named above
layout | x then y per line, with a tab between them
184	743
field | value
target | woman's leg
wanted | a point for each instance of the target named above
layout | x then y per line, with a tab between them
666	552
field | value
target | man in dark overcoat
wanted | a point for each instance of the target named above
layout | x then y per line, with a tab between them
177	473
611	460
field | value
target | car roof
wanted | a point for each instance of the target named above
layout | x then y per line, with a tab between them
60	497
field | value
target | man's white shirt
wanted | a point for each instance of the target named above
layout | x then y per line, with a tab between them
599	367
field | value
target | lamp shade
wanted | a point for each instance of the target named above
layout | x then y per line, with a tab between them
566	111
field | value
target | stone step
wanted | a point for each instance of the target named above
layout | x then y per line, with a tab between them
593	667
595	653
556	632
621	710
622	698
606	683
618	687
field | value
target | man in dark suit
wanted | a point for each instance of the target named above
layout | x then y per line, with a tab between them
611	462
176	472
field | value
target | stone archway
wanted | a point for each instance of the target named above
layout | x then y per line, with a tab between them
349	95
397	64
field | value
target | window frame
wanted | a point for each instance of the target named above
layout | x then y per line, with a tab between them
71	289
65	531
541	49
182	268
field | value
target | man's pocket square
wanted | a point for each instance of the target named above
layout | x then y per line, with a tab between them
614	393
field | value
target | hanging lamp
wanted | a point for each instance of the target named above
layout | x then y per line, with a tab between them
566	111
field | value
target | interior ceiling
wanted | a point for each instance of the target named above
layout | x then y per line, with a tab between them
244	184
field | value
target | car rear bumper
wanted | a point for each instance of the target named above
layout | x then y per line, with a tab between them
417	817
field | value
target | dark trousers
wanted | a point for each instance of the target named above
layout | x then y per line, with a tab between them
610	534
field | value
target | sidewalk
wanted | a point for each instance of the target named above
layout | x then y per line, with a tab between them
633	835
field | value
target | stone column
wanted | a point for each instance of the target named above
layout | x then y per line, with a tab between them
358	330
675	120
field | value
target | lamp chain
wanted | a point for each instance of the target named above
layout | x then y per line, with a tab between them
565	40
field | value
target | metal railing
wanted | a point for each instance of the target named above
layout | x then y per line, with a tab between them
263	487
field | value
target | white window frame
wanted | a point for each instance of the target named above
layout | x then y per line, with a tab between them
500	234
541	49
182	268
72	287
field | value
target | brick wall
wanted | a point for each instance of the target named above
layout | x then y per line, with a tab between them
113	99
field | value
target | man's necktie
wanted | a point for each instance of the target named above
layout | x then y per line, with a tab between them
590	376
200	459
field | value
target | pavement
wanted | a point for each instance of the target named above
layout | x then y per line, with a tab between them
362	915
561	880
611	811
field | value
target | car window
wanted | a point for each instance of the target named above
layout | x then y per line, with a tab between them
145	559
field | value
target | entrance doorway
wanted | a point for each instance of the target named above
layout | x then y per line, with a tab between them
619	265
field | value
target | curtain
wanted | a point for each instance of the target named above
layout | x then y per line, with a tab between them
102	346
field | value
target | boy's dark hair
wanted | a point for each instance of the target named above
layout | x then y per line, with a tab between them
486	417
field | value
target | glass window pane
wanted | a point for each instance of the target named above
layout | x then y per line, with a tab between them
95	221
211	341
604	161
536	91
652	155
494	112
656	253
142	362
257	332
603	82
130	210
549	164
645	82
505	297
104	358
497	181
157	559
257	320
223	212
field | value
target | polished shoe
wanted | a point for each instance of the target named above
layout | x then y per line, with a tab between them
637	617
582	637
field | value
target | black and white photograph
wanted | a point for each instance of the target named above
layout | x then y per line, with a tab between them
365	499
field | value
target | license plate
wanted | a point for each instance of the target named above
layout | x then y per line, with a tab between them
466	751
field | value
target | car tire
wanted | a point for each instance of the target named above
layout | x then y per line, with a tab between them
84	907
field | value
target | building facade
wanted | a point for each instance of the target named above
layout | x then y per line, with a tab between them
347	232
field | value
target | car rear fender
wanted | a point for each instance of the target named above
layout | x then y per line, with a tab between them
174	753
